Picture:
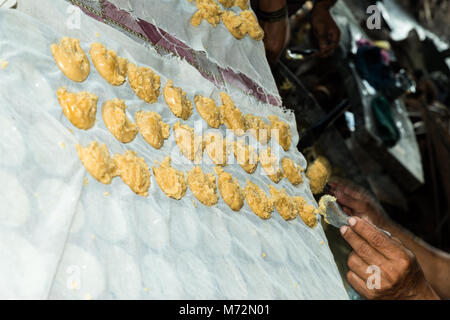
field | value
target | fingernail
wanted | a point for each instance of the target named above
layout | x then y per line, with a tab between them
344	230
352	221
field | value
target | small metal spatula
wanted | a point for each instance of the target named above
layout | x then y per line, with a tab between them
333	214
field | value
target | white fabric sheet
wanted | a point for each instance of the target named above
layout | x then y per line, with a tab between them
60	238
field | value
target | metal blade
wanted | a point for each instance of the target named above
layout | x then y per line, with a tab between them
335	216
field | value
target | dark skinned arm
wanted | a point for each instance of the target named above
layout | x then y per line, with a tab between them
276	34
400	275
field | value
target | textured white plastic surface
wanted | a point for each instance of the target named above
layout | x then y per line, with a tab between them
60	238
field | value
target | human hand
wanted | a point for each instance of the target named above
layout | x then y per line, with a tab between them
356	201
397	273
325	29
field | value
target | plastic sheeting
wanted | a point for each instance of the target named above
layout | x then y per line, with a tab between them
63	238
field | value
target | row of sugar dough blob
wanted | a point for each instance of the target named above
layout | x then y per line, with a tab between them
96	159
135	173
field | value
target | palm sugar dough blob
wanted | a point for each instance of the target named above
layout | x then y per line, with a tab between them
254	30
318	174
227	3
177	101
207	109
258	201
282	131
286	206
235	24
232	116
216	148
71	59
134	171
152	128
3	64
258	128
270	165
117	122
245	156
80	108
189	144
97	161
208	10
292	171
243	4
240	25
111	67
229	189
144	82
203	186
171	181
306	211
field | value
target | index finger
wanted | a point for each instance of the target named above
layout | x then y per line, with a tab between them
362	248
374	236
347	187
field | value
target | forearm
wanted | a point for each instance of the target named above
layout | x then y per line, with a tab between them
271	5
434	263
325	3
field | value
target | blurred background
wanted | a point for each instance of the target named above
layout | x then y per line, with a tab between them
378	108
